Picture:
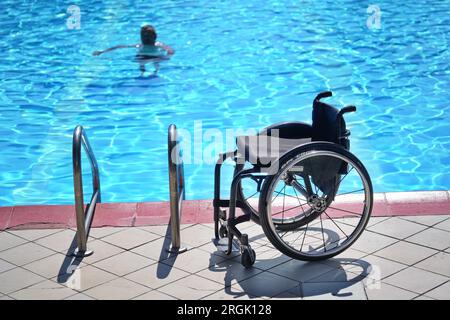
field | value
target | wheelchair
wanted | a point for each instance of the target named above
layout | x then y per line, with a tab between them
315	196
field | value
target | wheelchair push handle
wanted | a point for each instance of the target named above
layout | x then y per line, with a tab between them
325	94
347	110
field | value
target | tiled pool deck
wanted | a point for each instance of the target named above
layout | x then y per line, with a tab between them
403	254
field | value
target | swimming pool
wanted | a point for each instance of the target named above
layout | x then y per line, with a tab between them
237	64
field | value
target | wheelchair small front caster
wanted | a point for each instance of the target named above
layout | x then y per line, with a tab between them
223	232
248	256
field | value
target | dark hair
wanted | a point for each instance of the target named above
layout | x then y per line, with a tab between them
148	35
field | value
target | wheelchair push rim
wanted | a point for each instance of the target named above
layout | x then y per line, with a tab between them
321	222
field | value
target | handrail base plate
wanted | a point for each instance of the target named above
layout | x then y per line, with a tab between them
82	254
176	250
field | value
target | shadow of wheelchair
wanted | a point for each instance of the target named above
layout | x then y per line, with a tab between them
325	277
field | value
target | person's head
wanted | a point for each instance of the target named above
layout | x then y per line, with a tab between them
148	35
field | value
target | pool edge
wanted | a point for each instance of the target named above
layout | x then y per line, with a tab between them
134	214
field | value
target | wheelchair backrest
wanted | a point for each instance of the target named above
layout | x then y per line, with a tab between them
328	124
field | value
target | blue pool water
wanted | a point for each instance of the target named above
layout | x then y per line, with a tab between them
237	64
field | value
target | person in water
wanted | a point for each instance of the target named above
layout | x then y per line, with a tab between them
149	50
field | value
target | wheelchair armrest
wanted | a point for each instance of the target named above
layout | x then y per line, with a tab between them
289	130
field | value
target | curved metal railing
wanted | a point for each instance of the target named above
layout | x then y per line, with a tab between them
84	217
176	187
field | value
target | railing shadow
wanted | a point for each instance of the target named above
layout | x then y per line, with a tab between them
70	263
163	271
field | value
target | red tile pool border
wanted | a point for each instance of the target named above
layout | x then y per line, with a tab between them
197	211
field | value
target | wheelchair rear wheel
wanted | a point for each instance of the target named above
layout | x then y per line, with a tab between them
318	202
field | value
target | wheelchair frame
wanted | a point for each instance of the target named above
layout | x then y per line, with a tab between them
226	225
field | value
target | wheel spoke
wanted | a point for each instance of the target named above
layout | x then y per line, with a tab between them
251	196
289	209
358	214
335	224
345	176
284	199
304	235
298	200
341	194
280	192
323	236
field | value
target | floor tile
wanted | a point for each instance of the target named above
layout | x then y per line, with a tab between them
102	250
118	289
347	256
25	253
369	242
428	220
8	240
34	234
211	247
228	273
295	293
193	260
17	279
46	290
156	250
342	274
441	293
124	263
98	233
300	270
423	297
54	265
157	275
265	284
154	295
377	268
434	238
230	293
415	280
439	263
191	288
405	252
162	230
255	234
60	241
130	238
86	278
333	291
196	235
5	266
397	228
374	220
79	296
444	225
267	257
387	292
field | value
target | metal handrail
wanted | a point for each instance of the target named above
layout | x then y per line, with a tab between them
84	218
176	187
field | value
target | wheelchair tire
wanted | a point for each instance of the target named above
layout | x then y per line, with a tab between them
325	197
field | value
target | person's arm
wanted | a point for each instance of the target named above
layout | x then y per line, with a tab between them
97	53
168	49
